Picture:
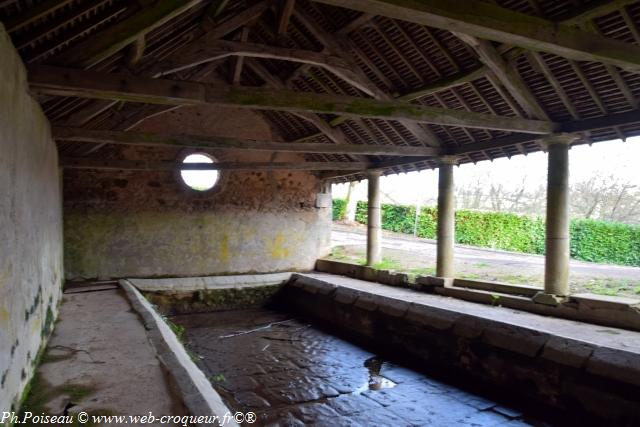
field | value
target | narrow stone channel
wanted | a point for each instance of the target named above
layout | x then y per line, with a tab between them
292	374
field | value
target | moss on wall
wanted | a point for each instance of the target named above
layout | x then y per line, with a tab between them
209	300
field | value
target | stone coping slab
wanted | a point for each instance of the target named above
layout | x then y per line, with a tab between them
198	395
190	284
618	312
597	335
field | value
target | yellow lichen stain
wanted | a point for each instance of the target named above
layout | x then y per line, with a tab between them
223	251
5	273
36	324
4	317
276	247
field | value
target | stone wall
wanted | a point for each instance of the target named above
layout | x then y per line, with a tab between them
30	228
556	368
150	224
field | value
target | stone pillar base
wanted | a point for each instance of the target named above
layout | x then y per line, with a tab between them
548	299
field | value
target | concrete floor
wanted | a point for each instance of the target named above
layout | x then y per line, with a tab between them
100	361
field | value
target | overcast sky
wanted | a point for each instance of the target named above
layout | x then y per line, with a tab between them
606	158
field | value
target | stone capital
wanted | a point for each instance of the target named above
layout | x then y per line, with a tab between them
374	173
560	138
448	160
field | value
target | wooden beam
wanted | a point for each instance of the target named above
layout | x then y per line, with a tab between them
136	51
239	20
356	24
89	84
592	10
445	83
85	115
507	75
146	165
285	16
342	46
224	48
115	37
334	134
216	8
575	126
559	90
237	68
486	20
496	143
613	120
214	142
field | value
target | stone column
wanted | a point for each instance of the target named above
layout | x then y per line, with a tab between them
556	268
374	219
446	217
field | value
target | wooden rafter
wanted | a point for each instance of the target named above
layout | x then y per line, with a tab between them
223	49
35	13
341	46
334	134
564	97
507	75
88	84
486	20
356	24
212	142
237	67
214	33
285	16
116	37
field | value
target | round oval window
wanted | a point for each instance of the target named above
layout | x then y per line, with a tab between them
200	180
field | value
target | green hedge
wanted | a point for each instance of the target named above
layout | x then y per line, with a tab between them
339	208
595	241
